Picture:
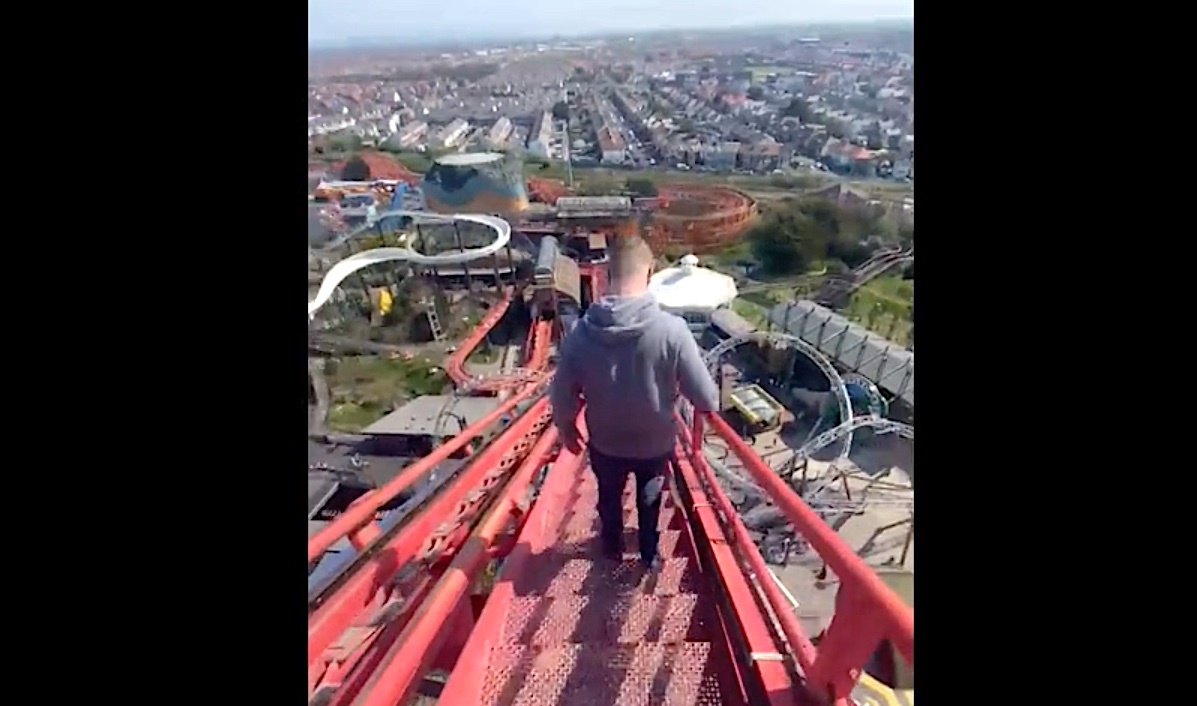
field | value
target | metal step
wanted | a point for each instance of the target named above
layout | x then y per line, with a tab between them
588	631
543	623
650	674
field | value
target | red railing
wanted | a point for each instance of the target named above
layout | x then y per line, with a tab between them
360	516
359	591
424	635
867	611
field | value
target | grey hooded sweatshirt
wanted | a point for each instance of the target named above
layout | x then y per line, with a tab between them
629	359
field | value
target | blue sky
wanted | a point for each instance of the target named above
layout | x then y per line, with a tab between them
338	21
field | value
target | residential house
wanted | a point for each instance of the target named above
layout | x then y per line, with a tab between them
721	156
847	158
497	136
540	138
611	146
453	133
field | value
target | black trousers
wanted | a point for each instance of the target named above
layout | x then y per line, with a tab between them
612	474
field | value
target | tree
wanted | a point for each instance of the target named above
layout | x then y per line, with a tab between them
344	142
798	108
686	125
797	232
561	110
851	253
756	93
356	169
836	128
640	186
778	249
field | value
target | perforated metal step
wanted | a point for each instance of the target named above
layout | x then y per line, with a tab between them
584	674
583	630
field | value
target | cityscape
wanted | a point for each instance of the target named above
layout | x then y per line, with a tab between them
464	200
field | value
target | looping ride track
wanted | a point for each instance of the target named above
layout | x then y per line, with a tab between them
558	626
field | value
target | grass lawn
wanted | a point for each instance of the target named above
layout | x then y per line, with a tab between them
752	311
760	72
364	388
883	306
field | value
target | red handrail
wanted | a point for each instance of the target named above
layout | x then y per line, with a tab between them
867	610
364	511
804	651
425	634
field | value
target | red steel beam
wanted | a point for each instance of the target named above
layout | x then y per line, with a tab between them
455	364
365	673
363	512
866	609
763	656
464	685
425	633
357	593
804	650
538	350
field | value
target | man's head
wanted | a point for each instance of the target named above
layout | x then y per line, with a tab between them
630	265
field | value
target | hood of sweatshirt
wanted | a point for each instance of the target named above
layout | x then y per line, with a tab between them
612	320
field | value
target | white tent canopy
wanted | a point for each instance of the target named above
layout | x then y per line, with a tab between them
688	287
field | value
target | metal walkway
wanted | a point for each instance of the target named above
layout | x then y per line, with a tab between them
580	629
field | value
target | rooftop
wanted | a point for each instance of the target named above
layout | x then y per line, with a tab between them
852	346
420	416
469	158
688	286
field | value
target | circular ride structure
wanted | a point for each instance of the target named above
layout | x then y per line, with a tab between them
700	217
839	389
847	390
342	269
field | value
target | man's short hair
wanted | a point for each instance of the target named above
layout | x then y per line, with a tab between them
629	257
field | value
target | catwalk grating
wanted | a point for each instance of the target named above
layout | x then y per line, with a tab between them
584	630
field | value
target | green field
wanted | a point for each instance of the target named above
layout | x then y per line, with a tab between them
364	388
760	72
752	311
883	307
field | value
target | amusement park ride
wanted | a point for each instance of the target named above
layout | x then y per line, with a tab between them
489	591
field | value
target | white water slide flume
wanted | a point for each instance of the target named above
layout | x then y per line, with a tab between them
366	258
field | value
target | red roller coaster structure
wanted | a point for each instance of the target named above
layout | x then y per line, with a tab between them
556	626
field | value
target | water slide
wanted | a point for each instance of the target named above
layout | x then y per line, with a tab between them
338	272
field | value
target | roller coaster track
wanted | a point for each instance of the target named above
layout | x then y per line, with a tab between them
837	290
558	626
